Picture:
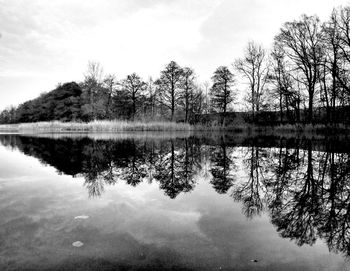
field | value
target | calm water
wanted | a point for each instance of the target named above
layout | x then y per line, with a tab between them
172	202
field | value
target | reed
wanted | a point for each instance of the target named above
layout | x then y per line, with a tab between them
116	126
94	126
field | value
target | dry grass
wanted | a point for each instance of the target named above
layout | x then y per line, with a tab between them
95	126
117	126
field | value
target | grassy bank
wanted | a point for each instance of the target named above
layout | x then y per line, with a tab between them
128	126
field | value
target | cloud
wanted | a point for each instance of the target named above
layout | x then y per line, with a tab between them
46	42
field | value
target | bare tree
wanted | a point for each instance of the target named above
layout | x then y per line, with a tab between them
94	71
187	90
110	83
221	90
169	85
152	96
336	66
341	20
133	86
254	67
281	80
302	43
206	101
92	86
329	69
199	100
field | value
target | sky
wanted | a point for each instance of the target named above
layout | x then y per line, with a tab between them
43	43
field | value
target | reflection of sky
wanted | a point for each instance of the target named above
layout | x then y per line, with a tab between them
134	226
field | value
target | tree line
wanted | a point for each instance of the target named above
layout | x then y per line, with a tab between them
303	78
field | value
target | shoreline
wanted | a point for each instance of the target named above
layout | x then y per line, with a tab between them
115	126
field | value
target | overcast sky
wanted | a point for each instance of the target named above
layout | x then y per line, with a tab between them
46	42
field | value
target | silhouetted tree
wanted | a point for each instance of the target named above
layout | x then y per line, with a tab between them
302	43
221	90
169	85
134	87
254	67
186	96
281	78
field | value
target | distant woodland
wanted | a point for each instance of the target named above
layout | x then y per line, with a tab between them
304	78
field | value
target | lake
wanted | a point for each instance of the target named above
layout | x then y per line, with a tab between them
154	201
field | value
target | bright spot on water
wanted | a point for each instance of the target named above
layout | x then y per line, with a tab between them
81	217
77	244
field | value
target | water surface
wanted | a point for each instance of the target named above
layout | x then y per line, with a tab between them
173	202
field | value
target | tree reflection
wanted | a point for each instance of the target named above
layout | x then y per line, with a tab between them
171	163
250	191
308	196
175	168
221	170
304	187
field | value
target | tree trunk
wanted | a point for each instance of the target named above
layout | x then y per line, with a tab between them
328	109
133	106
311	109
281	108
172	102
186	108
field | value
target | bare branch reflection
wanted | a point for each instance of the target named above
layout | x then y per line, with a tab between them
303	186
